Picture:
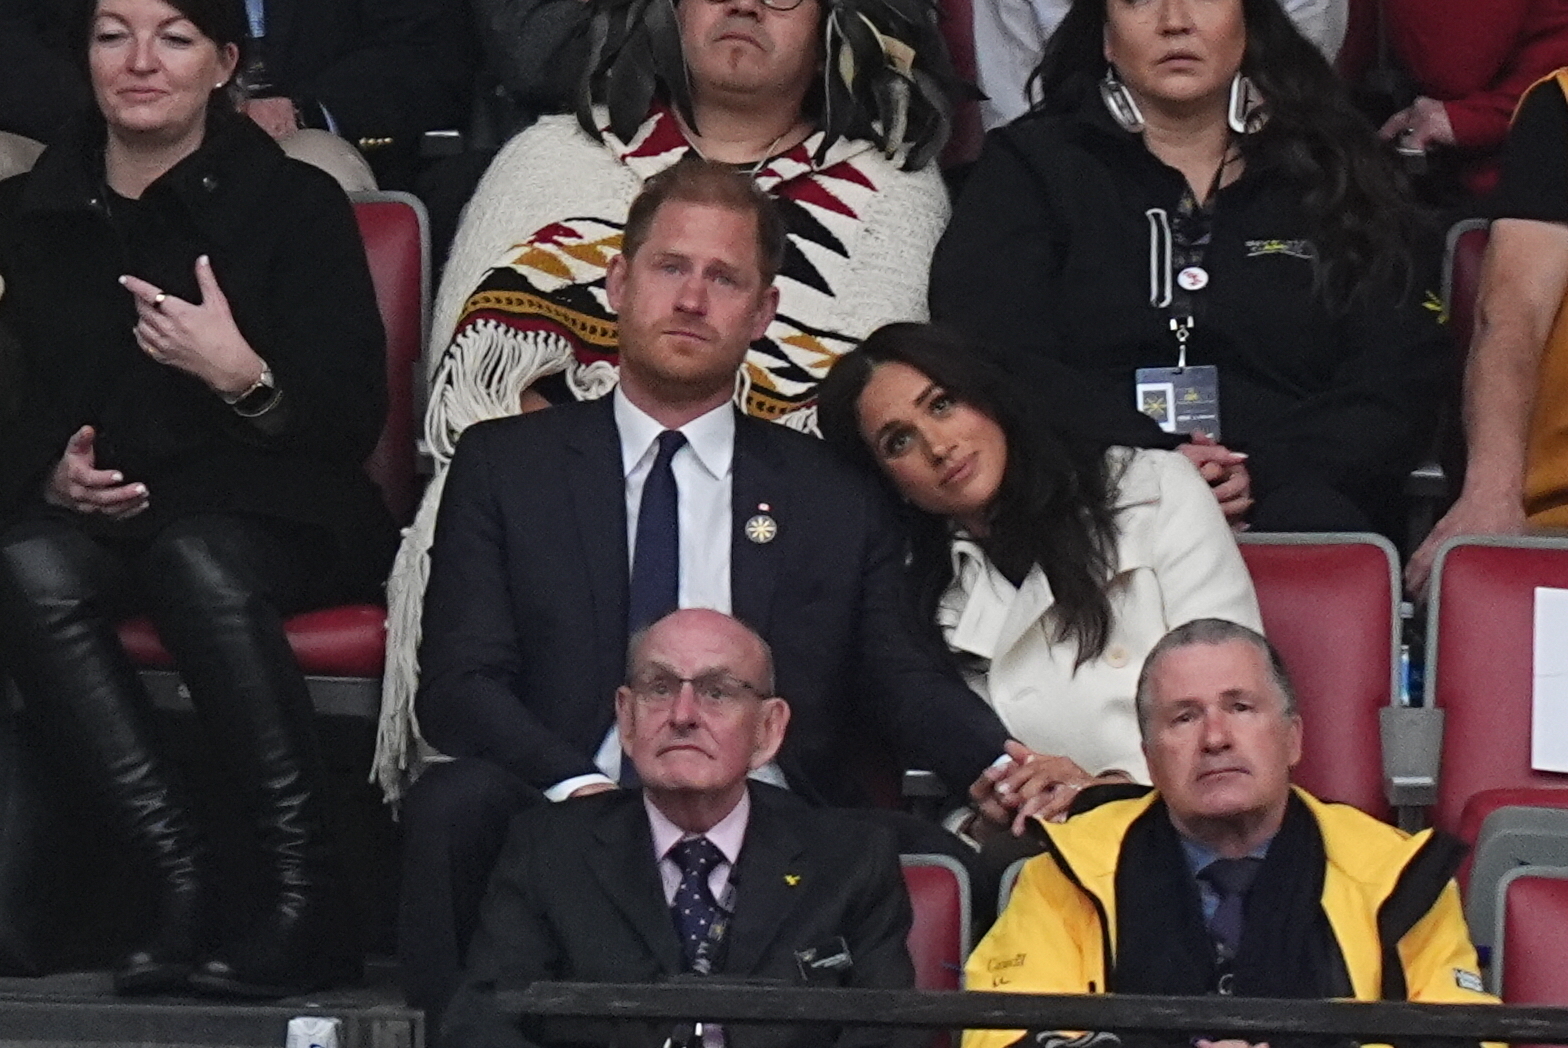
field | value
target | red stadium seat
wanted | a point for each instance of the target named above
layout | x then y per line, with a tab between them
1480	669
342	650
1532	954
1330	606
1462	276
939	937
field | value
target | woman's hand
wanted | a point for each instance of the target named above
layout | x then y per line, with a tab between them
1421	125
201	340
77	484
1033	785
1226	473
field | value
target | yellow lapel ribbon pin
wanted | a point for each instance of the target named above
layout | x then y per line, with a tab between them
792	879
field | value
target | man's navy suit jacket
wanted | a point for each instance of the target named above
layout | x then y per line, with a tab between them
525	616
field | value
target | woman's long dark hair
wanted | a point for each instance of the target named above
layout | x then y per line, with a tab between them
1357	198
1055	504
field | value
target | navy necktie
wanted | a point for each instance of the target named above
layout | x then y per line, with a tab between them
694	908
1231	879
656	558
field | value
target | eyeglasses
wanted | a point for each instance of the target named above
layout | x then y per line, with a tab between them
716	692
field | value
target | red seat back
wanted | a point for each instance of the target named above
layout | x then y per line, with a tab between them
1480	664
1462	277
1535	953
397	246
939	937
1330	606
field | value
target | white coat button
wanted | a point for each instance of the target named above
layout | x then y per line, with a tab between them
1116	656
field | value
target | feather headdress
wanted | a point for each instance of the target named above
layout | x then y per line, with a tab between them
886	75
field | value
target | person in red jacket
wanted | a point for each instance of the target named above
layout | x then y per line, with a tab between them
1471	61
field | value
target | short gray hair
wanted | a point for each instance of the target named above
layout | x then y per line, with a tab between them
634	648
1211	631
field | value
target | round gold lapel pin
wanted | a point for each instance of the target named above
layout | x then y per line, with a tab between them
762	528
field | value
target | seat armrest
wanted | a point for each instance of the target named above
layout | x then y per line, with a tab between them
1412	752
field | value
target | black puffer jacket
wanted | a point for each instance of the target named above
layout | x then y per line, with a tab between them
1048	254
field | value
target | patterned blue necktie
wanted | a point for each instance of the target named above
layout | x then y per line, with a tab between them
656	558
1231	878
694	908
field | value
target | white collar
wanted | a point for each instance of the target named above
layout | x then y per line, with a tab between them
710	436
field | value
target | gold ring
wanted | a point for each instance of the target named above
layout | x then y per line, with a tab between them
158	299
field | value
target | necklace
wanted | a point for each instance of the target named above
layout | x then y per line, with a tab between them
767	152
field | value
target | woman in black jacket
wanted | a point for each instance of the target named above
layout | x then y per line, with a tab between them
1193	187
204	375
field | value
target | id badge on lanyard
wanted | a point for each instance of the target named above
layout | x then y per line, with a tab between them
1186	397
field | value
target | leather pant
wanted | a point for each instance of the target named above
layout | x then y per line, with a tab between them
216	587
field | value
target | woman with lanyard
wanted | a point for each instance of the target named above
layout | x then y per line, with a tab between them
1195	221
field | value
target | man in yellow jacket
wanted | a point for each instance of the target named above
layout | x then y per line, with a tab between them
1226	879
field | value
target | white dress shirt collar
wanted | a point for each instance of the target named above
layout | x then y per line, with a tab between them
711	436
727	834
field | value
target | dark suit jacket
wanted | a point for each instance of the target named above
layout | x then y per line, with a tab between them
384	68
41	85
525	615
576	897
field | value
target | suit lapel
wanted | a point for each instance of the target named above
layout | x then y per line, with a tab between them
624	866
759	480
769	879
597	484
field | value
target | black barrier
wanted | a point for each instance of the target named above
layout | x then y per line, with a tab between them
947	1009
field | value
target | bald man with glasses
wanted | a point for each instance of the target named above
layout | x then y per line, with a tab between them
700	872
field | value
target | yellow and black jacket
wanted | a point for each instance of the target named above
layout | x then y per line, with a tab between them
1391	908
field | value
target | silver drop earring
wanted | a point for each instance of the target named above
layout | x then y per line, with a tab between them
1246	112
1120	103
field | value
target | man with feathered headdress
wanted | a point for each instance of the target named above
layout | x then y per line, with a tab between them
837	109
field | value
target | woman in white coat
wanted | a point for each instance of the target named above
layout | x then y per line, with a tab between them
1048	564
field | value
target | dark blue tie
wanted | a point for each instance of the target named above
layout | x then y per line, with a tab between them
694	908
1231	878
656	558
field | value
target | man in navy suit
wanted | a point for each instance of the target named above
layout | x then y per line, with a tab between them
699	871
538	564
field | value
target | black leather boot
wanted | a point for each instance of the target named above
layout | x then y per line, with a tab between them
227	637
69	665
